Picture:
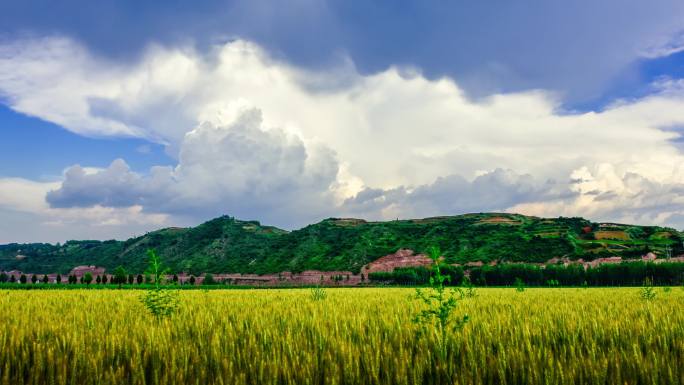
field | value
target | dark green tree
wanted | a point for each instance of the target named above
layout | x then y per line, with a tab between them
34	278
120	276
45	278
3	277
208	279
58	279
87	278
139	279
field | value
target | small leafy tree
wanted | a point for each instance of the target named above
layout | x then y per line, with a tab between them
45	278
160	302
139	279
175	278
104	279
87	278
13	279
22	278
318	293
647	292
4	277
208	279
192	279
119	276
98	280
468	290
58	279
439	305
34	278
519	285
131	278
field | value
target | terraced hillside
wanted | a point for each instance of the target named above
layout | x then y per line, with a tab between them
229	245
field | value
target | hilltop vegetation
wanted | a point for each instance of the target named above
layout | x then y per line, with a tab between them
226	244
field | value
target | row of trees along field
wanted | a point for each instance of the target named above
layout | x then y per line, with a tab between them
88	278
621	274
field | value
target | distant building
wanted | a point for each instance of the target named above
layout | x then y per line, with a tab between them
80	271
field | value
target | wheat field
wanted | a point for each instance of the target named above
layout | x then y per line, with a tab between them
353	336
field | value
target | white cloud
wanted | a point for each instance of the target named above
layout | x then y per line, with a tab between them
26	216
665	46
260	138
229	165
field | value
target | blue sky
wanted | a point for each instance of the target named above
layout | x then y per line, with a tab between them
118	117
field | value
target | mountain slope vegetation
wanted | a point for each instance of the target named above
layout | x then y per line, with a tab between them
229	245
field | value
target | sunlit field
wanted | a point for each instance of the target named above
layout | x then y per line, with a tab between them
352	336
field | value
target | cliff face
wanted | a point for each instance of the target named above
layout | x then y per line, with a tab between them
228	245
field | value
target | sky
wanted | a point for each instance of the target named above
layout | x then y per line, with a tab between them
122	117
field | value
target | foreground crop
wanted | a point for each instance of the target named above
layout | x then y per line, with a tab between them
355	336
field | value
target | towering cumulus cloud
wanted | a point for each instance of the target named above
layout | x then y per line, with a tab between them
259	138
231	164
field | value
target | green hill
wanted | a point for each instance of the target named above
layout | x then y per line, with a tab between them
227	244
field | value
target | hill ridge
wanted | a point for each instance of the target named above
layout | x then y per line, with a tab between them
229	245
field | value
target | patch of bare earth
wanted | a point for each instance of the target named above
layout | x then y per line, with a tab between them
500	221
402	258
611	234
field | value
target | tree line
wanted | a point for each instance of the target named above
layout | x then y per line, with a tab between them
120	277
619	274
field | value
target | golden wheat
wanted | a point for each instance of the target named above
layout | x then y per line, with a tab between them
354	336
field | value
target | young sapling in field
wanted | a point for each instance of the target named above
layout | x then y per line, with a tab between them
468	289
439	305
160	302
318	293
519	285
647	292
